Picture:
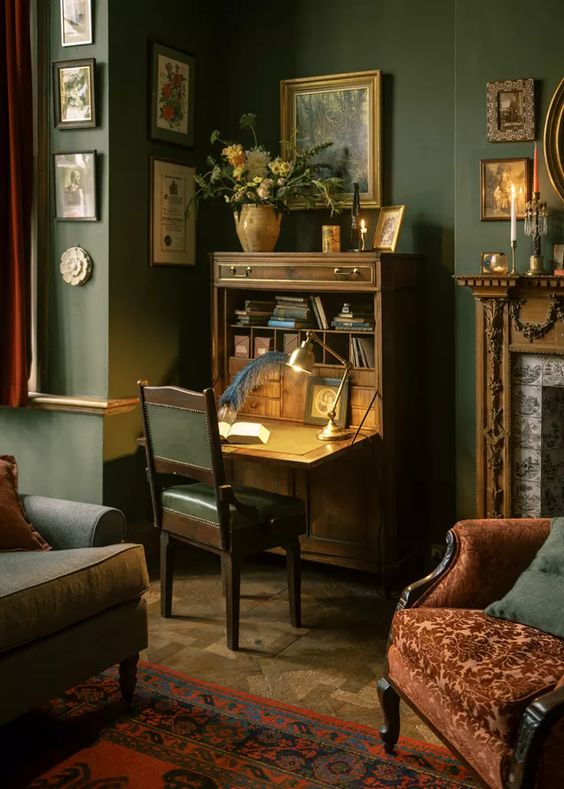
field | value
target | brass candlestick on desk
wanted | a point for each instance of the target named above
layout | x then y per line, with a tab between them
536	225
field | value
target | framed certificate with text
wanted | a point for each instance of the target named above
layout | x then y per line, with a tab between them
173	230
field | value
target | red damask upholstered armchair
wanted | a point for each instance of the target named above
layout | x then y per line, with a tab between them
492	690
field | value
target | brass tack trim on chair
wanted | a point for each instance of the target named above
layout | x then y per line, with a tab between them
183	463
192	517
175	407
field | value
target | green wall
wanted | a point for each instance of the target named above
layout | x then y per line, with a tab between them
494	41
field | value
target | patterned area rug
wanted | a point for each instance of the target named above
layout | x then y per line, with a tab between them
185	733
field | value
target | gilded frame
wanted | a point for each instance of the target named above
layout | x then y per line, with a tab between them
317	385
554	140
495	177
388	228
357	141
511	110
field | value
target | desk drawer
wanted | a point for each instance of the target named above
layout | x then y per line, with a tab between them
279	272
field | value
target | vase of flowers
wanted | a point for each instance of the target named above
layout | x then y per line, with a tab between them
260	188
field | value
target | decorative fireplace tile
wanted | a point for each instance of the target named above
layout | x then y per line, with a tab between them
527	464
553	371
527	400
527	369
528	432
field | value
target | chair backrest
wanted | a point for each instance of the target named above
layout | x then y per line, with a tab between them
181	433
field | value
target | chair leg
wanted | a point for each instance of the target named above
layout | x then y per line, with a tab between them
294	570
167	571
231	573
128	677
389	701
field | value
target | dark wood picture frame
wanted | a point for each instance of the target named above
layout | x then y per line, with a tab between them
75	186
66	93
173	91
311	413
496	178
180	238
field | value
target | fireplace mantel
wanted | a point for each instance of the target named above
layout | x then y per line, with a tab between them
514	314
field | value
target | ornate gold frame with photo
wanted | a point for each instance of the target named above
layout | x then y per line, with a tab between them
386	237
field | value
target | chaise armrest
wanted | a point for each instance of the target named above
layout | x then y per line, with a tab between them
74	524
484	558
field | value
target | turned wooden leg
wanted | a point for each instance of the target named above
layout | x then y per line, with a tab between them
128	677
167	570
232	578
389	701
293	567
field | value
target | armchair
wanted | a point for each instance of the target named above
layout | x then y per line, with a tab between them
68	613
491	689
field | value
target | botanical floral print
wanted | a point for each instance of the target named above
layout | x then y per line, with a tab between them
173	104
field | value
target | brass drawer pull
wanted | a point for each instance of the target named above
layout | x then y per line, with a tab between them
346	272
248	270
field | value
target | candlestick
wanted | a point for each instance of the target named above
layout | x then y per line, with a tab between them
513	264
513	216
363	231
536	225
535	171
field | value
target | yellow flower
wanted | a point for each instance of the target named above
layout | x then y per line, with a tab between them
235	155
238	172
280	167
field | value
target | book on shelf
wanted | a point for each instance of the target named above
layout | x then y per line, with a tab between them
321	311
252	320
258	304
303	313
316	314
290	323
244	433
292	299
366	346
341	325
355	353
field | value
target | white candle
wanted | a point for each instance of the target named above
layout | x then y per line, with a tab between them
513	215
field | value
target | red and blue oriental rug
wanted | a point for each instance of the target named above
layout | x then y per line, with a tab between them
182	733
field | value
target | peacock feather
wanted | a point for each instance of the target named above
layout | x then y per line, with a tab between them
250	377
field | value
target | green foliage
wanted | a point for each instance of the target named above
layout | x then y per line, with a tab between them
241	175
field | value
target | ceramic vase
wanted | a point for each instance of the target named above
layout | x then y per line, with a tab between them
258	227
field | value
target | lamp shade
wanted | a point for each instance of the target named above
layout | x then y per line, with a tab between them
302	359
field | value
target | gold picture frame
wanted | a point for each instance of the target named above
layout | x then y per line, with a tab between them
511	110
172	234
497	176
388	227
344	109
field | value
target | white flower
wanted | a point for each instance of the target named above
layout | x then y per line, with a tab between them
264	189
257	163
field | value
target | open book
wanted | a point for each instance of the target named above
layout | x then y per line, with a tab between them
243	432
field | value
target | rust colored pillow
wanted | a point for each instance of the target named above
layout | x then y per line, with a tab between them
16	533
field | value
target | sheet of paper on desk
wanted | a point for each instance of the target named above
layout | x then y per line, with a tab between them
244	433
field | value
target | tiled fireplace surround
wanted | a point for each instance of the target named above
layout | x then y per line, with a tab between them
519	394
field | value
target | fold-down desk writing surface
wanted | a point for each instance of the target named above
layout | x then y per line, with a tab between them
292	444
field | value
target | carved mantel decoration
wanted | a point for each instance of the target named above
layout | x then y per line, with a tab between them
514	315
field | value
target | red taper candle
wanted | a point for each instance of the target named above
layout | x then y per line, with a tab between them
535	171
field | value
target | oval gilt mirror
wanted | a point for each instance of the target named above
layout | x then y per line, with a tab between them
554	140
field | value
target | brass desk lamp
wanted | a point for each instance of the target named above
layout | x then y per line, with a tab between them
302	361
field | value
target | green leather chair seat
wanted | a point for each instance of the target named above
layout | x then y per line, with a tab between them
198	501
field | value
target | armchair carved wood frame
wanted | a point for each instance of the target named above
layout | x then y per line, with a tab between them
492	690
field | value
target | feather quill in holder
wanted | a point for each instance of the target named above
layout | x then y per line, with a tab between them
250	377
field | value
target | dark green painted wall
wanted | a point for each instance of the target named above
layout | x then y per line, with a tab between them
494	41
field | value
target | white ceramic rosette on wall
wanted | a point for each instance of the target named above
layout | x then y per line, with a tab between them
76	266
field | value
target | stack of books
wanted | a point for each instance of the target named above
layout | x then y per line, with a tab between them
362	351
359	319
291	312
255	313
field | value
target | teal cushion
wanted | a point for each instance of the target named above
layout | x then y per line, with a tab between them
198	501
537	598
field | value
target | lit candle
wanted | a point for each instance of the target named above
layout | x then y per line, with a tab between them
535	171
363	231
513	215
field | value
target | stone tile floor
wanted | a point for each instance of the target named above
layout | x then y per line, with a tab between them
330	665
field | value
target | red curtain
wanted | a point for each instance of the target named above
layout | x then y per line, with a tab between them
16	171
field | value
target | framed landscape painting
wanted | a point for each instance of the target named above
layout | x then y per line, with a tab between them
343	109
172	96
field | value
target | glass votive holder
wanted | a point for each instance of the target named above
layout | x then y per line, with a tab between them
494	263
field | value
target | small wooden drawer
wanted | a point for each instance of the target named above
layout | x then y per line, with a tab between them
304	274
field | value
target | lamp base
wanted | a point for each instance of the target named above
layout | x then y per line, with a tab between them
535	266
331	432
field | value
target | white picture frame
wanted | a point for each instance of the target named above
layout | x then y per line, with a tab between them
172	228
76	22
75	186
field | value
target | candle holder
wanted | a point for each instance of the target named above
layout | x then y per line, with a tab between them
536	225
513	264
355	237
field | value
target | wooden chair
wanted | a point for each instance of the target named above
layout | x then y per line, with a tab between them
182	439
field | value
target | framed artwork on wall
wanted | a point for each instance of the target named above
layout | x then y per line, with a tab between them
388	228
75	186
173	83
320	397
76	22
511	110
74	93
172	231
497	176
343	109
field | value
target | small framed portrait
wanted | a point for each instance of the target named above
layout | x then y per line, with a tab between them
75	186
388	228
511	110
497	178
76	22
172	96
173	228
73	93
320	399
